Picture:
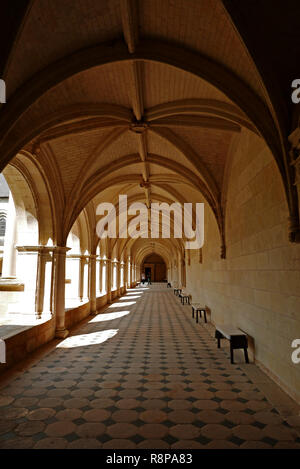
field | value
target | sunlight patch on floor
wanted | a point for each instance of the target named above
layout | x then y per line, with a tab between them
109	316
93	338
124	303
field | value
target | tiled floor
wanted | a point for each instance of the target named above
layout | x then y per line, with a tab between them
145	375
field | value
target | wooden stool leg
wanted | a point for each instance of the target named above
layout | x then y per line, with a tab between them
197	316
231	353
204	312
193	312
246	355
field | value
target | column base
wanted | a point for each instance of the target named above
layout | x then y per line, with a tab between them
61	333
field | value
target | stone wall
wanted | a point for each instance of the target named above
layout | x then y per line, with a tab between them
75	315
28	338
257	287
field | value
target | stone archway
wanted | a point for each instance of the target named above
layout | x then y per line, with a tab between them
155	266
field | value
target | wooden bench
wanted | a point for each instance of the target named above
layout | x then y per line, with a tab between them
184	297
238	339
177	291
198	308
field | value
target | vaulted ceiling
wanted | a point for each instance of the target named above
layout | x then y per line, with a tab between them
143	97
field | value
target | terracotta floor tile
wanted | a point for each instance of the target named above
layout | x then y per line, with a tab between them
6	400
51	443
216	431
150	444
205	404
239	418
17	443
126	403
7	426
60	429
121	430
153	431
41	414
125	416
180	404
153	416
248	432
210	416
85	443
181	416
29	428
221	444
90	430
279	432
185	431
119	444
69	414
187	444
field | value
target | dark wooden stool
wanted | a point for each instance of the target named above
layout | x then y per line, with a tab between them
184	298
198	309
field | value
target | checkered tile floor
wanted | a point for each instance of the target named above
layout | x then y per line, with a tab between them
142	374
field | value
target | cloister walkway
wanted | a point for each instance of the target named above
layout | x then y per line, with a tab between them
142	374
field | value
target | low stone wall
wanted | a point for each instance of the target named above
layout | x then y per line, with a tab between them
101	301
75	315
25	341
114	294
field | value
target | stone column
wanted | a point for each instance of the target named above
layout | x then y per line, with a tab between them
73	271
129	274
98	276
83	278
103	267
125	275
175	273
9	251
179	269
59	267
92	284
114	275
122	277
108	280
118	283
44	256
27	270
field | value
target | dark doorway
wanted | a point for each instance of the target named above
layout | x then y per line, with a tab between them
155	267
147	272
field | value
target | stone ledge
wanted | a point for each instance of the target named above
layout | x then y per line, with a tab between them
11	284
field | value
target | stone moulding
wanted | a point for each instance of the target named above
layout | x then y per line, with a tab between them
11	284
